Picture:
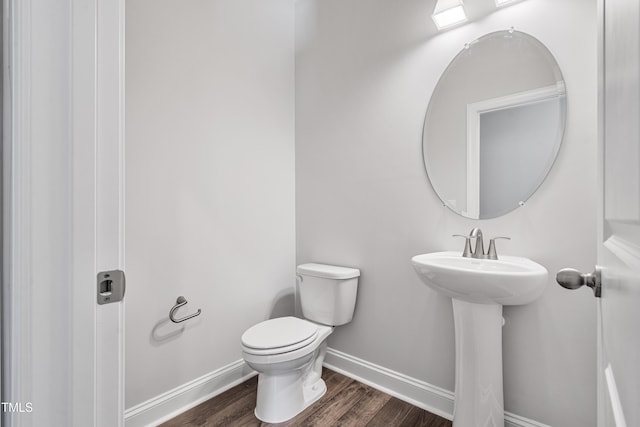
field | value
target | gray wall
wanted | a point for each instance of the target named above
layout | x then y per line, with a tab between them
210	182
365	70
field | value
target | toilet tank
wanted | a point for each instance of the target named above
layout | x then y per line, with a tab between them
328	293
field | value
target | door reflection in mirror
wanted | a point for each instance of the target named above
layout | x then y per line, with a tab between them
517	146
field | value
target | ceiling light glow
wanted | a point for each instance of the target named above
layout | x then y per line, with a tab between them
448	13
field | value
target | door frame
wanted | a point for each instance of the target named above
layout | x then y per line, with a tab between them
90	39
600	380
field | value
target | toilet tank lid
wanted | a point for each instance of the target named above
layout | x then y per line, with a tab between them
327	271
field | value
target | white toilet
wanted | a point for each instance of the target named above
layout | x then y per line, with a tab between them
288	352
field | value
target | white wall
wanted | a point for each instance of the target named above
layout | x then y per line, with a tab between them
365	70
210	182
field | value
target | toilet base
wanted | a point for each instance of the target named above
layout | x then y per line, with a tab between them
314	392
284	394
287	407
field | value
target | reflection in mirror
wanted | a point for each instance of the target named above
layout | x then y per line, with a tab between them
494	124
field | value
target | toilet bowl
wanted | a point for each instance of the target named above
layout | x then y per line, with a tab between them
288	352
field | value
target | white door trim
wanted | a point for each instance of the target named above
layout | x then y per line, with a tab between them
17	207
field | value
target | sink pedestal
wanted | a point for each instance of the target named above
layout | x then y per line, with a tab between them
478	394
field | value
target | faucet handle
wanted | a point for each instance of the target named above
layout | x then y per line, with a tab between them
492	254
467	245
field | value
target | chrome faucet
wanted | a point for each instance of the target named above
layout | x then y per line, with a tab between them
478	252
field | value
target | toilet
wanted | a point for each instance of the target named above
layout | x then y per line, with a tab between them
287	352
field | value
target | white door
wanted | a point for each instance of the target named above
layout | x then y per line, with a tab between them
63	213
619	233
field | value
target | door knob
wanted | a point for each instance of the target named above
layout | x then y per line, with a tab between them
572	279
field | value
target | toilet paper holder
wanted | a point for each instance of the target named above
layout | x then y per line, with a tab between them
179	303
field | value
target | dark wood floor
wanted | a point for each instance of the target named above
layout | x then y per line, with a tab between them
346	403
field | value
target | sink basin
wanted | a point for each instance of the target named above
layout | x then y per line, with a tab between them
509	280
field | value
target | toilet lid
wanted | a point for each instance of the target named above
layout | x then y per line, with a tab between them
281	332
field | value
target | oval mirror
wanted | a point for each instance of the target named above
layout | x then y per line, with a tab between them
494	124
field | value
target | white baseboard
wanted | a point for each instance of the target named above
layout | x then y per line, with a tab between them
174	402
513	420
418	393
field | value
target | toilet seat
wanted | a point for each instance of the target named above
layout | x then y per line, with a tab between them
280	335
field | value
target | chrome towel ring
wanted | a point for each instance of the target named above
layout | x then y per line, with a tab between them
179	303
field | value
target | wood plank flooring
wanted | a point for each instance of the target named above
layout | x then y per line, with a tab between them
347	403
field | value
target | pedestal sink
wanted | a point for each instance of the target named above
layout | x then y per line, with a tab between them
478	289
